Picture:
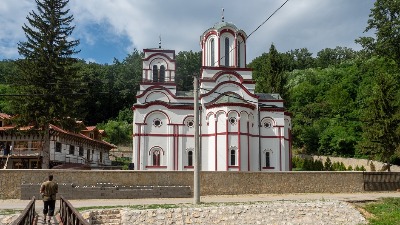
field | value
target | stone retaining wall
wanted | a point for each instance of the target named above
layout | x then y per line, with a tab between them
278	212
109	191
212	183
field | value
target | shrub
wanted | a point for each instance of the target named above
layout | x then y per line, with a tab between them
350	168
328	165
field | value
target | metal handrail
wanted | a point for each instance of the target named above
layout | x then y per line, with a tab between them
69	215
28	215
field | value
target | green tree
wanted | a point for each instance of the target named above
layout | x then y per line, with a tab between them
188	63
384	20
302	59
8	69
118	132
330	57
380	111
269	75
5	106
93	103
47	78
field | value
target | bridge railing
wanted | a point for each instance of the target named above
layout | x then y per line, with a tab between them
69	215
27	216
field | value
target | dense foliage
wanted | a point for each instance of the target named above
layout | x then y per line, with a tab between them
343	102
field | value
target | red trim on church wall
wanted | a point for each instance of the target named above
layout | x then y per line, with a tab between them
239	137
149	89
248	147
227	145
139	133
156	167
229	82
213	32
182	107
215	144
160	54
226	30
232	69
244	105
234	73
280	149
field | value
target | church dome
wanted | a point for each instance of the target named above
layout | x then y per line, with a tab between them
224	45
220	25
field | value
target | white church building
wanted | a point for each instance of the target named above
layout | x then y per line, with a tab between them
240	130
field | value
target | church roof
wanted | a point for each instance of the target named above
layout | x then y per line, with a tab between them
230	98
265	96
224	24
184	93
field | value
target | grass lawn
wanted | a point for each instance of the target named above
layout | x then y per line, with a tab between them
384	212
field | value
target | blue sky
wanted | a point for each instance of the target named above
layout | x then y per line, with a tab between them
111	29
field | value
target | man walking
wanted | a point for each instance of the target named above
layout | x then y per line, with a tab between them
48	190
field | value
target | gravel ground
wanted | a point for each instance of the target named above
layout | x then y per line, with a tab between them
309	208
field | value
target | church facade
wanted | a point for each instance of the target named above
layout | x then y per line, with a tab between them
240	130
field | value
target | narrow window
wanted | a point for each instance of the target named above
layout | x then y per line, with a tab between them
212	52
1	123
155	73
190	158
162	74
226	51
71	149
101	156
156	158
88	154
233	158
81	151
58	147
238	54
267	159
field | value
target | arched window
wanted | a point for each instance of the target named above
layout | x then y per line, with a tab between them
190	158
267	159
156	158
162	74
212	52
155	73
238	53
233	157
226	51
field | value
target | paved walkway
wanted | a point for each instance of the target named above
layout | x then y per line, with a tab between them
349	197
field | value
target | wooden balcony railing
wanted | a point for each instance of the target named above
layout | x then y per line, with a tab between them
69	215
27	216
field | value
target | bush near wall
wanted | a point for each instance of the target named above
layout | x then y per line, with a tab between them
310	164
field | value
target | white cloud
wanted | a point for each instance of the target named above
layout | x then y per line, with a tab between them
313	24
13	16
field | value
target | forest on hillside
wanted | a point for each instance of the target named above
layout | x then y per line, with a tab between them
343	102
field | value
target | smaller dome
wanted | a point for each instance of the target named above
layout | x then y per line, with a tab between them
219	25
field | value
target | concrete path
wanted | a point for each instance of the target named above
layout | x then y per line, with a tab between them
348	197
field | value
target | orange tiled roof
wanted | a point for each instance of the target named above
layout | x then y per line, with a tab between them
81	136
5	116
90	128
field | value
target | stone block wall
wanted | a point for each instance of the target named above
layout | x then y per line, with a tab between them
212	183
109	191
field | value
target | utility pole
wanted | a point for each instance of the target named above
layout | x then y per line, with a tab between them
196	185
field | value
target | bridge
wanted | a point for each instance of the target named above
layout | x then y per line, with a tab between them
67	215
